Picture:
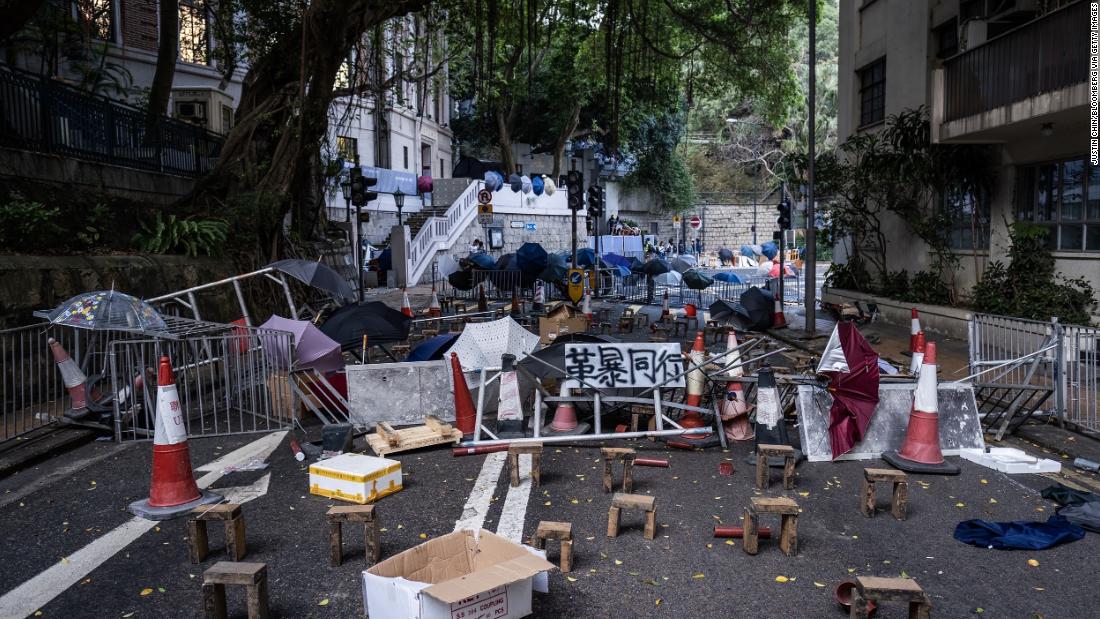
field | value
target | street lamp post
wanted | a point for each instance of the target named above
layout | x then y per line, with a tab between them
810	263
399	201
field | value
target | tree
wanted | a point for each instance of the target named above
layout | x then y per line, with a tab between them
168	44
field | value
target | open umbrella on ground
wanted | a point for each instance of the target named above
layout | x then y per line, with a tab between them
312	348
447	265
723	310
758	305
728	277
492	181
696	281
617	260
787	270
317	274
636	266
433	348
507	273
672	278
107	310
483	260
769	250
725	254
852	367
688	258
482	343
621	271
461	280
378	321
586	257
655	267
554	354
748	251
555	270
531	258
679	265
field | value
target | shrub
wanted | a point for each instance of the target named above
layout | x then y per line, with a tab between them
192	237
28	226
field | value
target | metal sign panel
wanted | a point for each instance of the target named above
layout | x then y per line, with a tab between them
484	196
627	365
485	214
575	279
695	222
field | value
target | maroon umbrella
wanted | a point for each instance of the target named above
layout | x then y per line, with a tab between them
852	367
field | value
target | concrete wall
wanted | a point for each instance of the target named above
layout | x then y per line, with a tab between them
79	176
29	283
730	225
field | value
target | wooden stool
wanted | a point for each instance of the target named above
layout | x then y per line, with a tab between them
605	328
252	576
610	455
641	319
763	452
626	324
786	508
561	531
898	502
623	501
199	543
878	590
400	350
340	514
427	333
679	321
460	307
535	451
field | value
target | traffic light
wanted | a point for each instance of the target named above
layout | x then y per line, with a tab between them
784	208
575	188
360	184
595	201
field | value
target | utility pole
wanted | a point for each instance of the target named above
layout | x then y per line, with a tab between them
811	233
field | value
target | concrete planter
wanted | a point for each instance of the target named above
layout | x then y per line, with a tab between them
950	321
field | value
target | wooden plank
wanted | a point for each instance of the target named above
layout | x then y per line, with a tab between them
883	475
554	530
774	505
388	433
412	438
436	425
633	501
907	588
235	573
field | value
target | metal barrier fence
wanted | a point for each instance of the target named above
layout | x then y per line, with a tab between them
233	382
1032	365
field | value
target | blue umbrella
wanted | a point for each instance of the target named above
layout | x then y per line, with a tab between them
531	258
727	276
636	266
746	250
385	260
620	270
483	260
515	182
586	257
617	260
770	250
536	185
725	254
433	348
492	181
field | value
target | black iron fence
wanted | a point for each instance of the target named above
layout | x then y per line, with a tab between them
1038	57
43	115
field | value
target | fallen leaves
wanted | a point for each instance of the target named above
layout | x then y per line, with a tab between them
146	591
782	579
1033	562
323	602
960	504
698	576
571	579
819	584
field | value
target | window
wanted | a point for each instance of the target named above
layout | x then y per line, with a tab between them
968	215
1064	197
97	16
947	38
227	118
405	150
194	44
872	92
442	169
344	73
348	149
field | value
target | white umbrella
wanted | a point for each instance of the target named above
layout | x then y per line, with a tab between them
447	265
482	343
672	278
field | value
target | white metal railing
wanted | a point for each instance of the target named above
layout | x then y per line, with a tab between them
439	233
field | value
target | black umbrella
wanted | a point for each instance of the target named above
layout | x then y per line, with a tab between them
554	354
462	280
316	274
725	254
758	305
695	280
531	258
385	260
636	266
378	321
507	273
656	267
722	309
555	268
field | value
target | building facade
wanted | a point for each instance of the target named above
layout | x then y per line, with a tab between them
1009	73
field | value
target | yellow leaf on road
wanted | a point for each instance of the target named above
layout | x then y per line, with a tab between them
571	579
698	575
960	504
618	562
782	579
323	602
146	591
1033	562
819	584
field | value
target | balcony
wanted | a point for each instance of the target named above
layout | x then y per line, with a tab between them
1014	83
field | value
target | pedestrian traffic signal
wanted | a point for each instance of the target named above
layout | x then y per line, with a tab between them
575	188
595	201
784	219
360	184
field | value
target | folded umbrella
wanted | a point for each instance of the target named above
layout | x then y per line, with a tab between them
696	281
1064	495
378	321
1019	534
1085	515
852	367
317	274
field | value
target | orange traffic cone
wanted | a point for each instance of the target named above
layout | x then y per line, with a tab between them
917	361
914	329
735	408
406	307
465	417
920	453
696	380
173	491
565	417
779	321
434	309
74	379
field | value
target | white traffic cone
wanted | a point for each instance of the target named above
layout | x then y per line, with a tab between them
917	361
914	329
406	307
173	491
734	409
74	379
920	453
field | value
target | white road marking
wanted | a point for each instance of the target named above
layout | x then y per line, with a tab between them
260	448
41	589
477	505
515	504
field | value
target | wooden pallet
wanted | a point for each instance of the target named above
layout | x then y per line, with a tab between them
387	440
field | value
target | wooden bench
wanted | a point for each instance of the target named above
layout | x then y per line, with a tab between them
198	540
252	576
461	307
879	590
340	514
561	531
898	502
787	509
610	455
621	501
763	452
532	449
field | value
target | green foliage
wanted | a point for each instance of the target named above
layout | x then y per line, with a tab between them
851	275
28	226
660	167
193	237
894	284
1028	287
92	229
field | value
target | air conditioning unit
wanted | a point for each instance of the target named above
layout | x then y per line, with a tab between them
973	33
205	107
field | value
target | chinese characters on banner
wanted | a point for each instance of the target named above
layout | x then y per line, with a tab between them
627	365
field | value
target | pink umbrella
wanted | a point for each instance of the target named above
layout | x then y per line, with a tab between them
852	367
312	349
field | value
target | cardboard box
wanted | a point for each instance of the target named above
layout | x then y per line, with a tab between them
456	576
559	322
356	478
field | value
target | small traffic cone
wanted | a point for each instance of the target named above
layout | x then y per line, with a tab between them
517	310
664	307
565	416
696	380
509	406
465	417
406	307
735	408
920	453
779	320
173	491
482	302
74	379
586	306
434	309
540	298
917	361
914	329
770	428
